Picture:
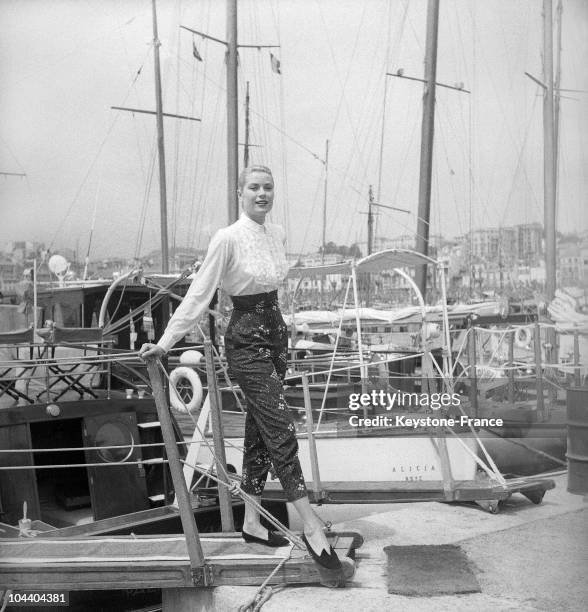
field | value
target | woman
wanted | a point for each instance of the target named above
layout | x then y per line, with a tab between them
248	260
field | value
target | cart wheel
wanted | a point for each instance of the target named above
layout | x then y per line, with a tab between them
489	505
357	537
534	495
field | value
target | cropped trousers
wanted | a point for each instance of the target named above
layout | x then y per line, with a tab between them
256	344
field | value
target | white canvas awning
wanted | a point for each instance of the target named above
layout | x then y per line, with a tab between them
376	262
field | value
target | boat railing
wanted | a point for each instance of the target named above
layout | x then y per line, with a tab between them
32	372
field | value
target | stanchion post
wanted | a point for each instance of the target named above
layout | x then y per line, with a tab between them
577	377
538	371
511	372
472	367
185	507
316	478
224	495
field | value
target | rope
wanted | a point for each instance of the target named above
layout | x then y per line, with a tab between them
233	486
85	448
324	400
235	489
5	598
529	448
493	471
264	592
82	465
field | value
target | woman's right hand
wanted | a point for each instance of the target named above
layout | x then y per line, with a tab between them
151	350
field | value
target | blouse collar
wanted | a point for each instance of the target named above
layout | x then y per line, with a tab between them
251	224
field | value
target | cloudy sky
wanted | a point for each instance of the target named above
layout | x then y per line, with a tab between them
64	63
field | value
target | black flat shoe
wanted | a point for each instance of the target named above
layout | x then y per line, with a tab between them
274	539
328	561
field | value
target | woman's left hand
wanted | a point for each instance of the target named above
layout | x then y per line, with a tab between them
151	350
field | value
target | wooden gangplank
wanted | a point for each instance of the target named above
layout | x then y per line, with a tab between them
133	562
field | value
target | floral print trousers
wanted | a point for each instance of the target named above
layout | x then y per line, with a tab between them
256	343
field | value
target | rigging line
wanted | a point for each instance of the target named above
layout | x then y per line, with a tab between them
146	171
139	104
261	93
411	231
452	127
216	127
273	151
398	38
292	139
82	184
176	157
404	163
20	166
204	224
188	183
344	85
260	81
358	152
451	182
283	123
369	127
209	176
314	207
383	128
284	157
332	167
101	146
343	99
186	161
464	66
505	124
472	113
146	193
443	114
415	33
93	225
75	52
519	161
196	203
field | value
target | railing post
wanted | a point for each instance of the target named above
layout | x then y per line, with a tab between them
224	495
577	377
473	376
511	373
538	371
316	478
185	507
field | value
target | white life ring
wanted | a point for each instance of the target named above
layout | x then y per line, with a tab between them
192	377
523	337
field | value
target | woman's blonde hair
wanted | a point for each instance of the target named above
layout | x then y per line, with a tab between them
250	169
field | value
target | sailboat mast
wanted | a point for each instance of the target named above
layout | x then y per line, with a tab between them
370	240
557	85
232	112
427	134
324	236
160	147
548	153
246	143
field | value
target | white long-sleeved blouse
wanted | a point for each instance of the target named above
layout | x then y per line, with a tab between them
244	258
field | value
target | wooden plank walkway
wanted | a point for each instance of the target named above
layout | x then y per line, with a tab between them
127	562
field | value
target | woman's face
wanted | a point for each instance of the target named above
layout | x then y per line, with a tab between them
258	195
